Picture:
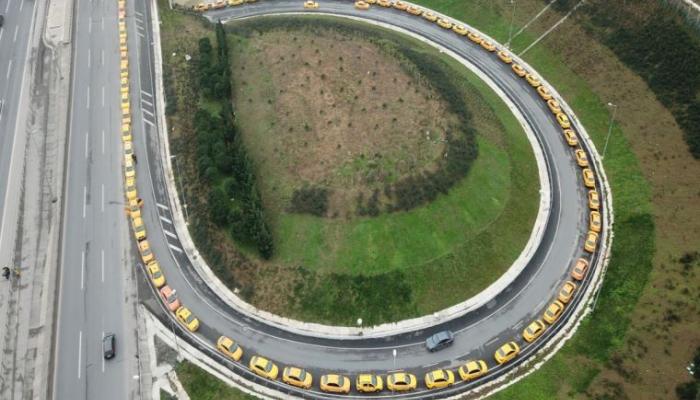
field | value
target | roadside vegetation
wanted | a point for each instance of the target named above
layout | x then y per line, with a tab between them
370	260
636	343
200	385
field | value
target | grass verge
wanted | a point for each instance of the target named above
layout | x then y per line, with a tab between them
200	385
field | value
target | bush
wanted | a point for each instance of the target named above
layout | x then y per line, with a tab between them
310	200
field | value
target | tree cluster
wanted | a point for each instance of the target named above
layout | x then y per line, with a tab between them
234	200
214	70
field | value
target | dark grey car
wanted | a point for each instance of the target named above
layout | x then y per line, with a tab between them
109	345
439	341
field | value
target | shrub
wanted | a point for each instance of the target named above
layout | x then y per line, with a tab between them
310	200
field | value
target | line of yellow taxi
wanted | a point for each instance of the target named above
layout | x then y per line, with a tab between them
218	4
133	201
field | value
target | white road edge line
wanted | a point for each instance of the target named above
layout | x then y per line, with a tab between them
80	351
84	200
82	271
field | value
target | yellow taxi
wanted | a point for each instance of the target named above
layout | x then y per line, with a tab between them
368	383
413	10
506	352
593	200
156	274
310	4
400	5
505	57
129	169
591	242
474	37
595	222
334	383
554	106
563	121
533	80
581	158
444	23
588	178
297	377
146	253
233	3
125	99
553	312
544	93
227	346
362	5
131	193
519	70
579	270
128	150
139	228
460	30
533	331
401	382
430	16
201	7
384	3
439	379
472	370
488	46
371	1
219	4
134	208
263	367
184	315
571	138
124	85
566	292
126	133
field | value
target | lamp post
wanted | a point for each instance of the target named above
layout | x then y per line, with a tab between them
610	124
182	189
394	354
512	20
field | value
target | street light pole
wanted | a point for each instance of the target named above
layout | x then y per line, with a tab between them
512	20
182	188
394	353
610	124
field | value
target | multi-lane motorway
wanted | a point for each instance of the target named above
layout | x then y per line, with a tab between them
95	256
478	333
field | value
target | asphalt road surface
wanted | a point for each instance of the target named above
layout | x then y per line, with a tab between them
93	298
478	333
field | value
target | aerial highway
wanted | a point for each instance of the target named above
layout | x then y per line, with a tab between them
94	299
478	333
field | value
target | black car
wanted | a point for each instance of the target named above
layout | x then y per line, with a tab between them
109	345
2	19
439	341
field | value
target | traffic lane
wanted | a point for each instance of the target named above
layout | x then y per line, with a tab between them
530	92
552	286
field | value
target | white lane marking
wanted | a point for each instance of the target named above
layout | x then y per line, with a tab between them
162	206
103	96
138	13
1	32
21	6
80	351
87	104
166	220
89	61
103	359
84	199
149	122
150	114
9	68
14	38
82	271
90	25
144	101
87	137
490	342
7	6
140	34
102	57
102	206
103	141
179	250
102	264
102	23
172	235
145	93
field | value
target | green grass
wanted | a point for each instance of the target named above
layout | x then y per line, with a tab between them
199	385
633	248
